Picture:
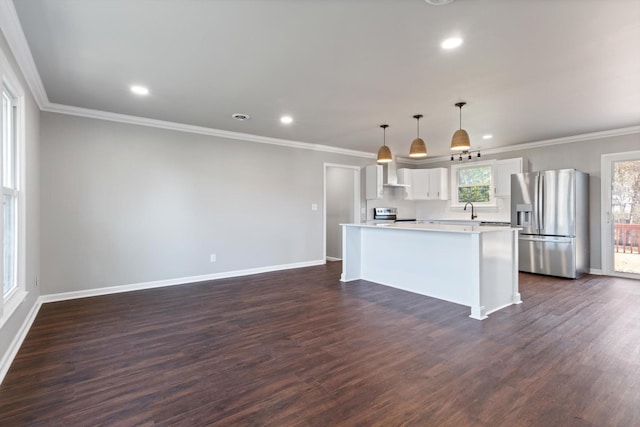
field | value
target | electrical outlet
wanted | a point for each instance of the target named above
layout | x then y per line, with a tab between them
314	206
212	258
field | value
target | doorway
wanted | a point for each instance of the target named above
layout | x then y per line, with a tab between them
342	205
621	214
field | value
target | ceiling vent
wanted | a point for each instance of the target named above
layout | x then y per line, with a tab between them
241	117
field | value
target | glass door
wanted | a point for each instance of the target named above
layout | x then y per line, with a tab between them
621	243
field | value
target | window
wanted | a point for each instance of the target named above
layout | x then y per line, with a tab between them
472	183
10	192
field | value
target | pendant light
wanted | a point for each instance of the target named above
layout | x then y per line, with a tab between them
384	153
460	140
418	147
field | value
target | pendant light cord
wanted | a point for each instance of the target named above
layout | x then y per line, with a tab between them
384	134
418	125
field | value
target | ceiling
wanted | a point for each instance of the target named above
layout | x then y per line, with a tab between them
528	70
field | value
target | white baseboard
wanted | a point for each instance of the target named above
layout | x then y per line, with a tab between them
595	271
173	282
12	351
330	258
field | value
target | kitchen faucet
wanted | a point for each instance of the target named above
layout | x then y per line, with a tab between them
473	216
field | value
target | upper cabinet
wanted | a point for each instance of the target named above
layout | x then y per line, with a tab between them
405	177
438	184
427	184
373	182
420	184
502	175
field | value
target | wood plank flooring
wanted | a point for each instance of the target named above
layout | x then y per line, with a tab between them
299	348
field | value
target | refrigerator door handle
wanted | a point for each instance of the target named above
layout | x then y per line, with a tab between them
536	212
541	205
545	239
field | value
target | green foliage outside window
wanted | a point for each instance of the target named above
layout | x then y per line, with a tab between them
474	194
474	184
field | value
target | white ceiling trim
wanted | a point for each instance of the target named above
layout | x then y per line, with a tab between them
180	127
536	144
12	30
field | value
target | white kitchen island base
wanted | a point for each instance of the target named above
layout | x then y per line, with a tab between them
474	266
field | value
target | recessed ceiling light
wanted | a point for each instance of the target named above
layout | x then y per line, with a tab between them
286	120
439	2
487	136
451	43
139	90
240	116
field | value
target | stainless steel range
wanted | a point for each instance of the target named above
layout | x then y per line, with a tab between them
385	214
389	216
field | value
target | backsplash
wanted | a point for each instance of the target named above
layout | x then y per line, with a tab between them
441	209
393	197
436	209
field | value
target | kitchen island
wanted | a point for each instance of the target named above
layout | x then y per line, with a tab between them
476	266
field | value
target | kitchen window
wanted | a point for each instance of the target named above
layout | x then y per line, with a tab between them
472	183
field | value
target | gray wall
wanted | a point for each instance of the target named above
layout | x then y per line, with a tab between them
11	327
582	155
125	204
340	194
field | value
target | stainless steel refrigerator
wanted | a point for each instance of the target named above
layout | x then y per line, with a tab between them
552	208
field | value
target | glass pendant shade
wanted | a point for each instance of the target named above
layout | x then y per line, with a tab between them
418	148
460	141
384	155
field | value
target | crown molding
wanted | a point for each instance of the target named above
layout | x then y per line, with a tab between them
631	130
180	127
12	30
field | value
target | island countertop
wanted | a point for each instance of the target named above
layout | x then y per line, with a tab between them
447	228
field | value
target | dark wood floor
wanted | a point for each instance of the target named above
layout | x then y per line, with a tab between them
300	348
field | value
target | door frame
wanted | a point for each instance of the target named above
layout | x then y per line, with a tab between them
606	231
356	199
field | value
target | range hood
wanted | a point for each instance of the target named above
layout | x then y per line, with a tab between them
390	175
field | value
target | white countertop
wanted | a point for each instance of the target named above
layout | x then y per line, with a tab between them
447	228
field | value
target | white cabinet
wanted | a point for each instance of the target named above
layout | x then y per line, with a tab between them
405	177
430	184
423	184
502	171
420	184
373	182
438	184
